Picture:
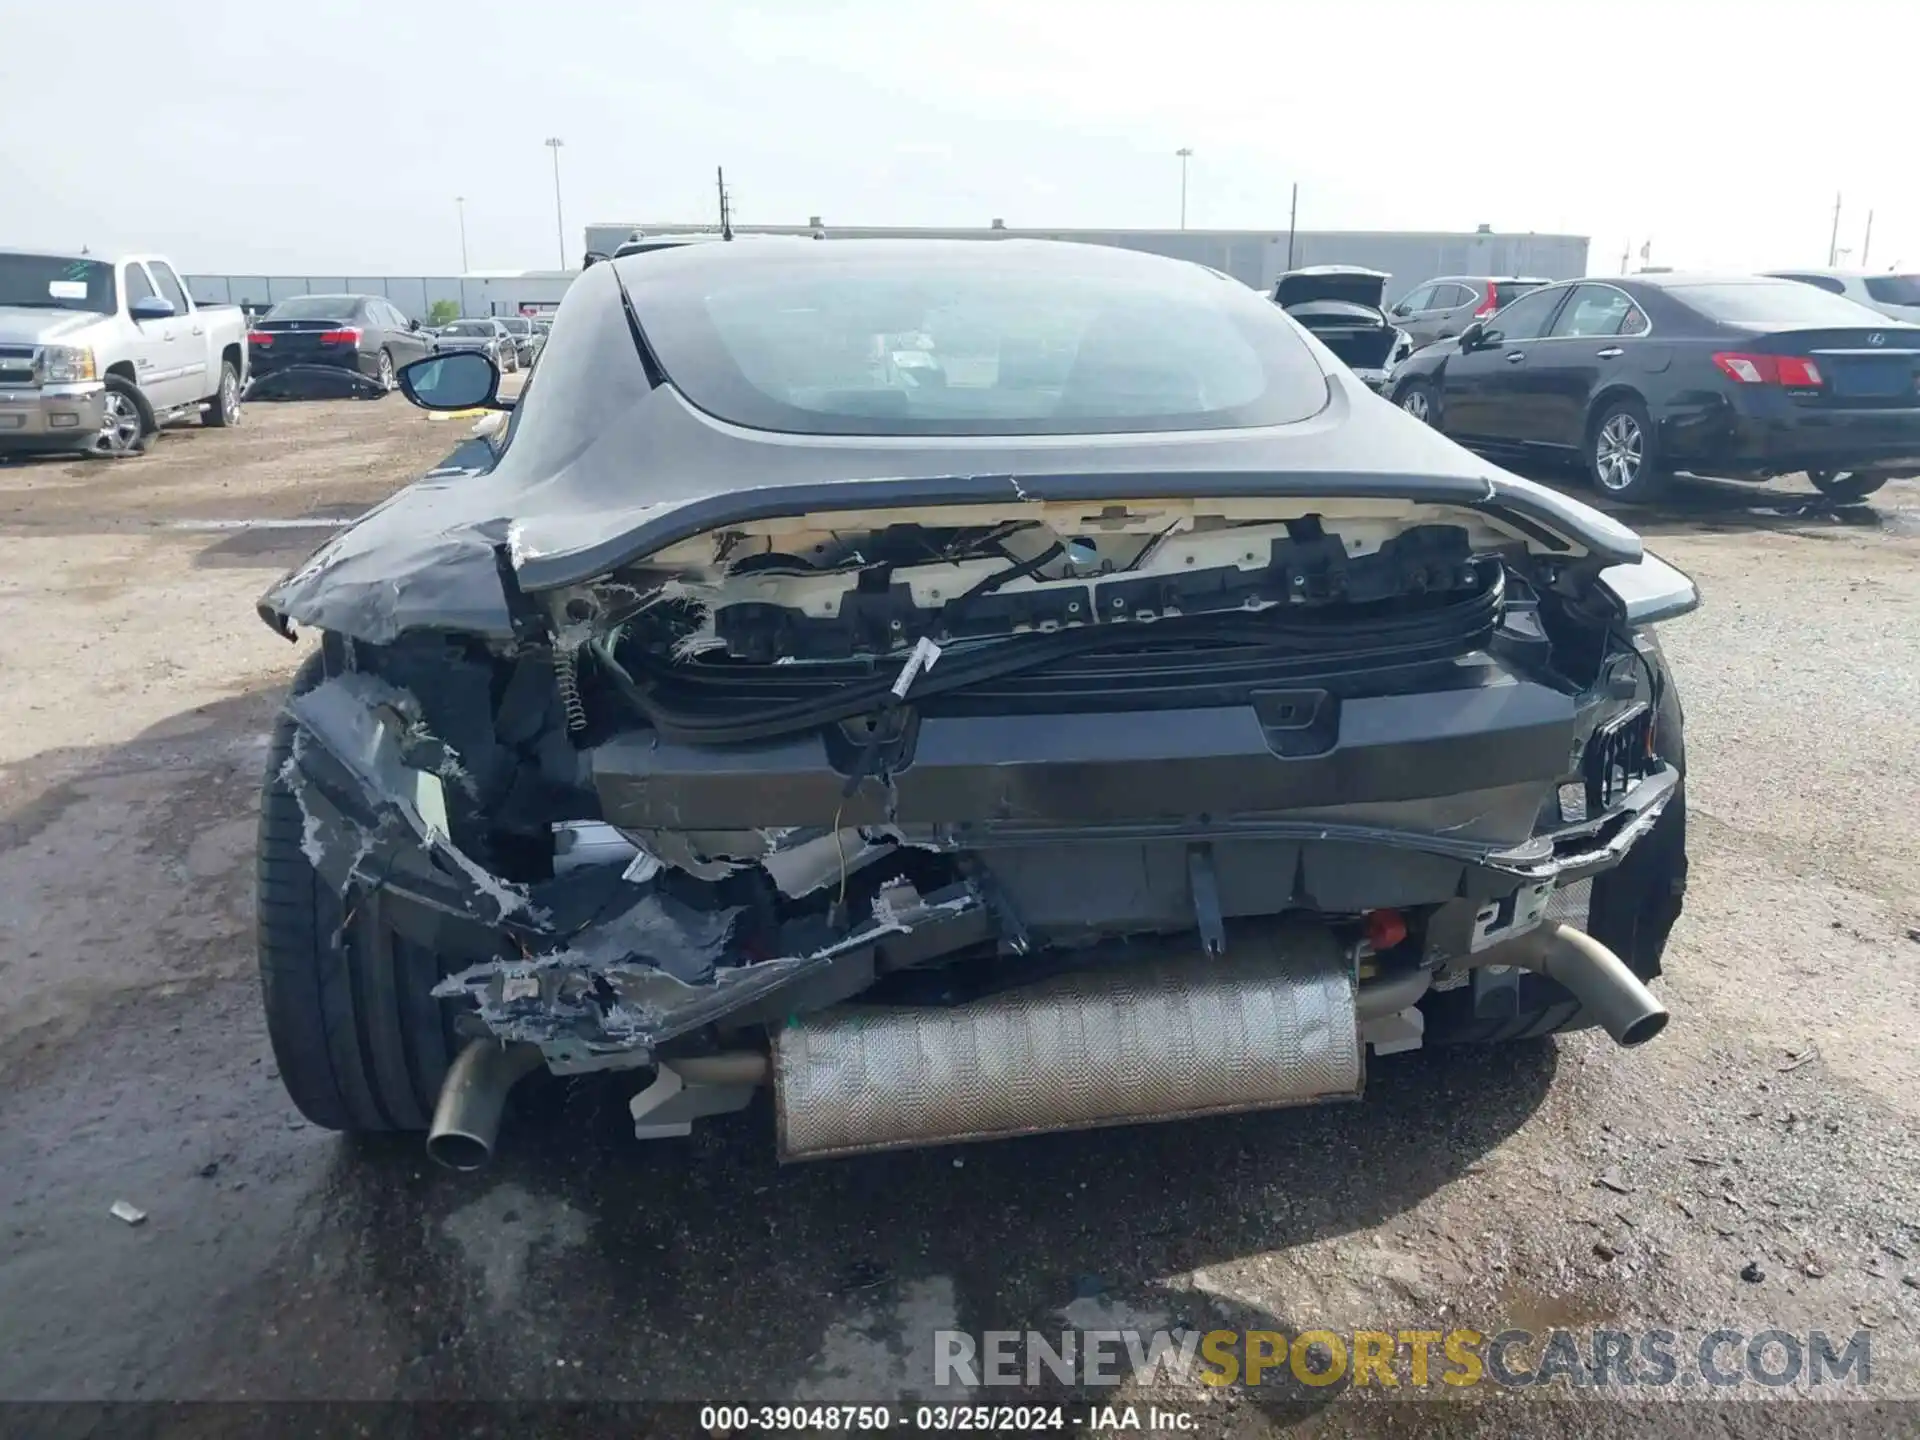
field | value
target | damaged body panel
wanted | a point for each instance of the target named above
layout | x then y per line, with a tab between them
757	715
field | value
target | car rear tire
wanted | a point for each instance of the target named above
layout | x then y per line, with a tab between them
360	1041
1846	486
383	377
1623	457
1419	400
1631	908
129	425
223	406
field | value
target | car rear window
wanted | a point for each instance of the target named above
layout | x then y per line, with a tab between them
314	307
1505	292
1772	302
1894	289
468	327
957	347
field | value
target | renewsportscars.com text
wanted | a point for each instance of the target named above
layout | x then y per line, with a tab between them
1405	1359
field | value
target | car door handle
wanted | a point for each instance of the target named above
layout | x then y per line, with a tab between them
199	330
1610	352
1514	357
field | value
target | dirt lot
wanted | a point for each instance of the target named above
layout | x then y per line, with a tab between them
1774	1128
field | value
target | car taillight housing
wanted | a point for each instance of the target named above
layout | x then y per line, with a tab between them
260	339
1795	372
345	336
1489	302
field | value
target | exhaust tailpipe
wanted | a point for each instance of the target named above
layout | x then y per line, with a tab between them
1598	979
466	1120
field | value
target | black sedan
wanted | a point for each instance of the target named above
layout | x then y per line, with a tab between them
364	334
1740	377
1142	721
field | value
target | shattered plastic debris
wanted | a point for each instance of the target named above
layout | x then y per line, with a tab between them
132	1214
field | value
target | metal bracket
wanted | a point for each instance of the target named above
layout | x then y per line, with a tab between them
1206	899
669	1106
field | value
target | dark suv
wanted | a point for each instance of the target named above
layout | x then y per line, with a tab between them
1440	309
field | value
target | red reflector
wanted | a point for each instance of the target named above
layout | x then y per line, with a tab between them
1489	303
340	337
1385	929
260	338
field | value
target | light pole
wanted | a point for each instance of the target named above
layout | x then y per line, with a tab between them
554	142
460	202
1185	155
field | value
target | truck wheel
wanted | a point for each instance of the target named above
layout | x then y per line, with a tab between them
360	1042
223	406
1846	486
128	427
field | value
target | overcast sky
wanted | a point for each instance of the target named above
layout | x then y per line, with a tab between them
331	137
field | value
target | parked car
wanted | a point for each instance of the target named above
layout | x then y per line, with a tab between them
1895	296
1341	306
489	337
1742	377
364	334
1440	309
96	355
527	338
746	713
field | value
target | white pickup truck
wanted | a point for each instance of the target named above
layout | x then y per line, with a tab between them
97	355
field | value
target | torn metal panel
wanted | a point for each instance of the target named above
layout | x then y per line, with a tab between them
607	999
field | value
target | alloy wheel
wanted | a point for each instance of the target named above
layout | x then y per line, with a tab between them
386	371
1414	402
1619	451
120	431
229	399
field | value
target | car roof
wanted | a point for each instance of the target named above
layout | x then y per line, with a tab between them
342	296
1666	279
1497	279
1064	257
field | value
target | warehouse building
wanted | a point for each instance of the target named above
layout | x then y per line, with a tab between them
1256	257
1253	256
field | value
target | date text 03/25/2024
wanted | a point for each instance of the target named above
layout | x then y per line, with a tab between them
728	1420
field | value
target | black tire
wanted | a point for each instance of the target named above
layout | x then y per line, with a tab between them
1631	910
360	1042
1420	400
223	406
125	434
1846	486
383	377
1623	452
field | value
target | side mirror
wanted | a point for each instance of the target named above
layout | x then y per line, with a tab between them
457	380
1403	308
151	307
413	325
1474	336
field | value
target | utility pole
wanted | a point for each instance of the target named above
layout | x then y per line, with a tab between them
460	201
1833	245
554	142
1867	243
1185	155
726	210
1293	219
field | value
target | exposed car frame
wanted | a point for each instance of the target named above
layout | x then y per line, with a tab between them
644	739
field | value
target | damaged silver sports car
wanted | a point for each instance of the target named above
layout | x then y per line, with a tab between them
1117	714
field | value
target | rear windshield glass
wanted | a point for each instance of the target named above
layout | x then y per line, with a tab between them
1772	302
55	282
1505	292
469	327
1894	289
900	347
314	307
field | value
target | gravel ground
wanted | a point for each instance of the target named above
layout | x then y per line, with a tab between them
1770	1133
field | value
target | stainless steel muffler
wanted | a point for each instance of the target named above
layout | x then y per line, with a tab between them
466	1119
1271	1023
